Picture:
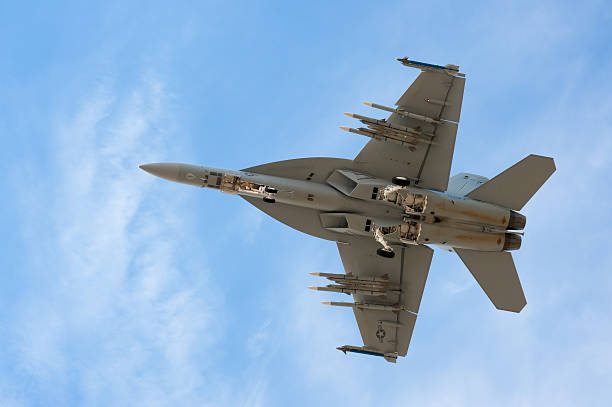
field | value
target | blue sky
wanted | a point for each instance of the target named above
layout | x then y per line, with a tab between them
122	289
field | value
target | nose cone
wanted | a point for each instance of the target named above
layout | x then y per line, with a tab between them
169	171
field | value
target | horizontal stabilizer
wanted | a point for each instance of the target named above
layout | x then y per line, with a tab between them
496	274
515	186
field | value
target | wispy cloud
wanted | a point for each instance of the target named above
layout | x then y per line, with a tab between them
127	317
115	303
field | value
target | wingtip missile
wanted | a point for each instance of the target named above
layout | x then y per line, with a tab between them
349	114
367	103
425	66
452	67
388	356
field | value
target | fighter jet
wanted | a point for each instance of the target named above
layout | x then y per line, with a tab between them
388	205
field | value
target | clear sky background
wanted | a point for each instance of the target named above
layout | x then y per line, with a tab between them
119	288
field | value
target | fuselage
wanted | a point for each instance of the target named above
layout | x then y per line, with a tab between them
351	203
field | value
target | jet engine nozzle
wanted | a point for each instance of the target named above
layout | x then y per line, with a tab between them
517	221
512	242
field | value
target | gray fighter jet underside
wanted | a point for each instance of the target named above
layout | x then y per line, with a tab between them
386	206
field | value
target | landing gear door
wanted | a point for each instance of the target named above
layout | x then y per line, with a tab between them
215	179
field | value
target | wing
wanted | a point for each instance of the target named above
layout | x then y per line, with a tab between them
305	220
315	169
386	332
432	106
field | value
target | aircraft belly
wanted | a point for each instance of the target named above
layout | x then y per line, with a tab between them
467	210
301	205
322	197
304	219
461	238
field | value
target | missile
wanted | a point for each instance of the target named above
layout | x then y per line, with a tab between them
339	289
384	277
349	284
360	132
380	283
381	307
386	125
429	67
361	305
357	284
338	304
404	113
388	356
410	144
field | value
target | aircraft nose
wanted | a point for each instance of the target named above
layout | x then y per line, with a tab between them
169	171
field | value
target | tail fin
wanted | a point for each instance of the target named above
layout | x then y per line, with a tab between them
496	274
515	186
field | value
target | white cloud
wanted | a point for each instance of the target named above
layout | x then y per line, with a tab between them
256	341
127	317
256	391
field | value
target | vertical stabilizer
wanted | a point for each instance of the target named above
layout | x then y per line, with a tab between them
464	183
496	274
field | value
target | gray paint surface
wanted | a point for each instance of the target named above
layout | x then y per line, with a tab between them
496	274
515	186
